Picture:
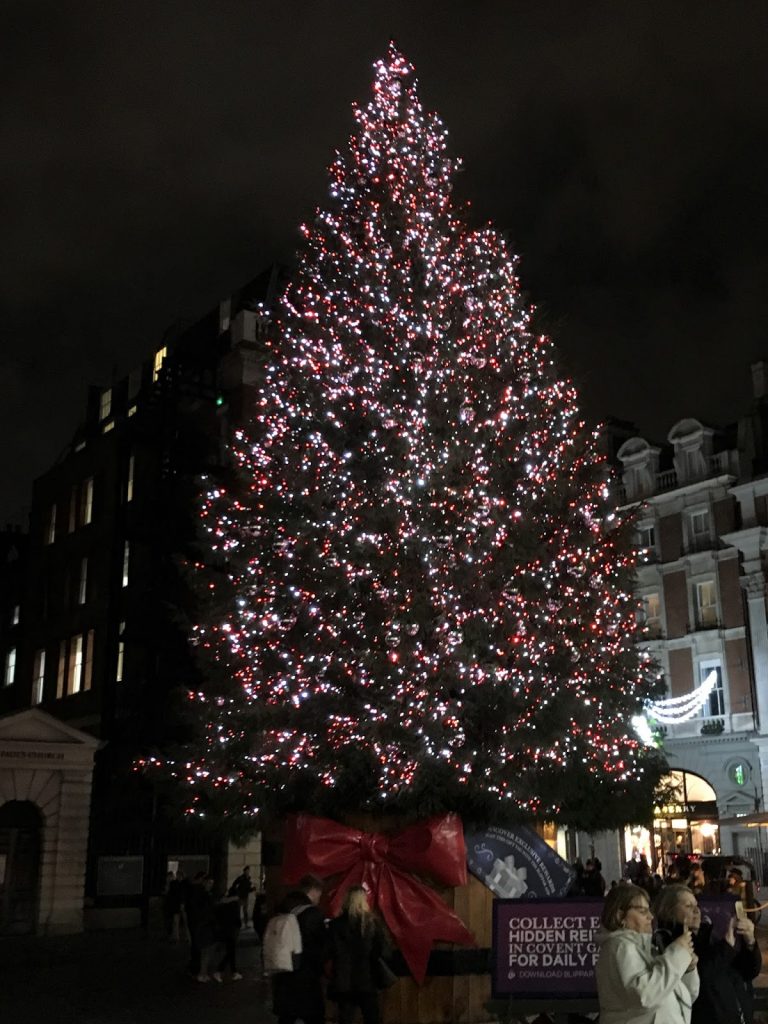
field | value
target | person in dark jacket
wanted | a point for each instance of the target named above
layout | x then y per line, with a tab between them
726	966
298	995
242	887
357	943
227	913
201	910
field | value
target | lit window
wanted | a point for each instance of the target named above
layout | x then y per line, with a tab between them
129	479
88	663
82	590
652	613
120	654
75	677
38	677
159	360
715	703
61	673
105	404
108	426
706	603
132	410
16	615
50	528
9	676
126	562
86	507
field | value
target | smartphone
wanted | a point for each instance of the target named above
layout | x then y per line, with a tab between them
677	931
740	911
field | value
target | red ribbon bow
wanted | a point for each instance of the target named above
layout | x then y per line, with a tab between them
384	865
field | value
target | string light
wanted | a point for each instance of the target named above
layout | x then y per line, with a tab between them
417	574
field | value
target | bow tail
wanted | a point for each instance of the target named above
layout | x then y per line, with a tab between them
417	917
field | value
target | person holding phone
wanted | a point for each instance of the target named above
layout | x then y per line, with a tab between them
637	984
726	966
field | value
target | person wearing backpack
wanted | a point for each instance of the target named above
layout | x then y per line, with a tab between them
298	994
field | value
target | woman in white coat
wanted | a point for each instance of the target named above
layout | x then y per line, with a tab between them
635	983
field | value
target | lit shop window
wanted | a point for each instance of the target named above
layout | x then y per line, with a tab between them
9	673
38	677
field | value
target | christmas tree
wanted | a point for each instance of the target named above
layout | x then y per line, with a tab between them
416	599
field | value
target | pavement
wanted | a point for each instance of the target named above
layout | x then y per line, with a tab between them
123	977
137	977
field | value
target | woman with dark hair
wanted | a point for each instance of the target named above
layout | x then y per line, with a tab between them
357	944
635	984
726	966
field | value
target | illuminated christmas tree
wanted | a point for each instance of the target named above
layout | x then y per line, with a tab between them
416	600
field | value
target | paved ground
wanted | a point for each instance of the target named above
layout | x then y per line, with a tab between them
131	977
122	977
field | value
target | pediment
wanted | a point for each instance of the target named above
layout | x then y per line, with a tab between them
35	726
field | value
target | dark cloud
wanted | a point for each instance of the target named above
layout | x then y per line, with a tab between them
157	155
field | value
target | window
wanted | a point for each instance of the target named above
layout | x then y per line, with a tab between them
714	706
9	675
82	590
15	615
134	383
50	526
129	479
706	604
61	674
38	677
73	509
699	526
126	562
120	654
88	661
105	403
75	675
652	613
109	425
86	503
158	363
646	536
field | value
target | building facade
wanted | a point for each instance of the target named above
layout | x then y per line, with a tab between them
700	504
92	630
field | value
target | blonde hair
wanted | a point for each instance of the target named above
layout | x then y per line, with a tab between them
357	908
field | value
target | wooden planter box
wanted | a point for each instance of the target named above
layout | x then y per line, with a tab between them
454	995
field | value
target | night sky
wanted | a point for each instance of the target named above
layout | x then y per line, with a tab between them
156	155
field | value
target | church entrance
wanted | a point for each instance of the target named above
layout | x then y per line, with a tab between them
20	831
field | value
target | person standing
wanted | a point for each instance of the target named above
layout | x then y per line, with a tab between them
726	966
635	983
357	943
298	994
242	887
227	913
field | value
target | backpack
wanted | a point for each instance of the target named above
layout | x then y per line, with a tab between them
281	946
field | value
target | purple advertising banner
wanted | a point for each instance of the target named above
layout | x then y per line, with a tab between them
545	948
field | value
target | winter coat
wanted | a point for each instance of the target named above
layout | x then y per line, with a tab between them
726	974
354	953
299	993
637	985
